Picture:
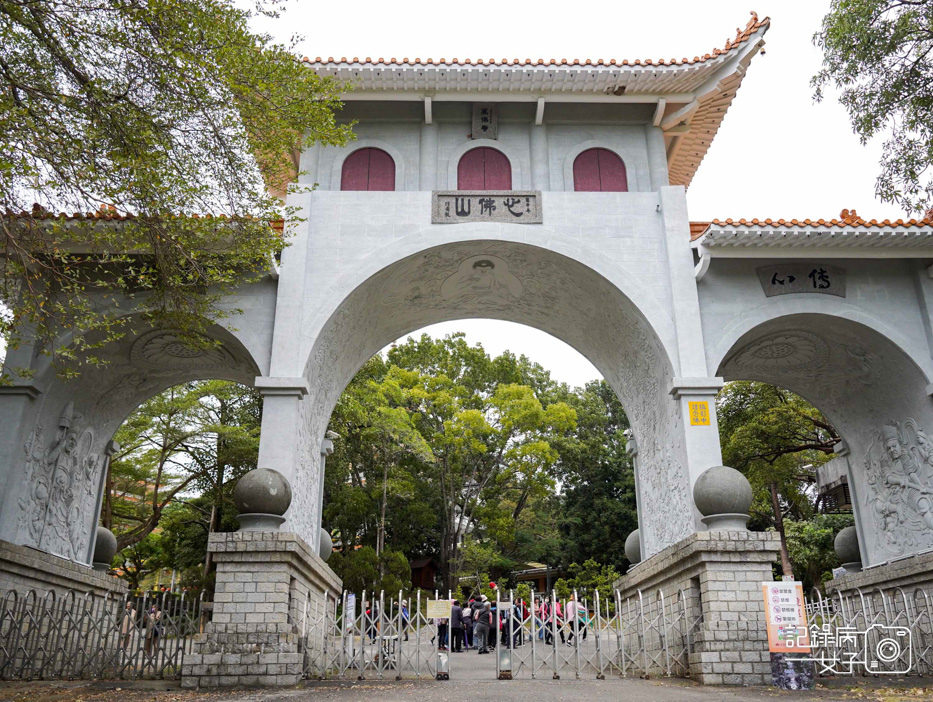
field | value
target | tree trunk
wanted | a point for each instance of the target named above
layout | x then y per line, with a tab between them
779	523
217	502
381	531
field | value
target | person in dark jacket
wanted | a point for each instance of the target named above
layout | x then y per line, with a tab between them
481	621
456	627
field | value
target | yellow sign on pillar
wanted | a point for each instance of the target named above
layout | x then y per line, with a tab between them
699	413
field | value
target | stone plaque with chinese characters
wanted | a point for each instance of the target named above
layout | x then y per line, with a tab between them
803	277
515	206
485	121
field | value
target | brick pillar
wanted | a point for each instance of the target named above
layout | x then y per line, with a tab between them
720	572
731	647
263	581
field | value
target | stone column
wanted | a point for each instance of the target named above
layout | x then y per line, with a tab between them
427	159
284	446
540	170
719	574
252	639
657	158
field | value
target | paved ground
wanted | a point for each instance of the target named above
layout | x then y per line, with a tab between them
909	690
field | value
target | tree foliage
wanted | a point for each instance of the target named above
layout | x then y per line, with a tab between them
154	111
877	54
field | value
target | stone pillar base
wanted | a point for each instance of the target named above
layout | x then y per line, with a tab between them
720	572
907	573
267	582
23	569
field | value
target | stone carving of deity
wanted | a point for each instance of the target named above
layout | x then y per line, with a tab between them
60	485
899	477
483	279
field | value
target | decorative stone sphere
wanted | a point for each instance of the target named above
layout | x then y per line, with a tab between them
846	546
262	491
326	547
722	490
723	496
633	548
105	548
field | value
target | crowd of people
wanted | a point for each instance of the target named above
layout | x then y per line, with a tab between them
476	624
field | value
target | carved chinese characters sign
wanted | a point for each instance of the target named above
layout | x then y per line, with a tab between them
485	121
803	277
515	206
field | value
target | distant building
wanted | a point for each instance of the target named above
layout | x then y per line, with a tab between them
423	573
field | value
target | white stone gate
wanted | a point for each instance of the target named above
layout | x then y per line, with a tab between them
667	309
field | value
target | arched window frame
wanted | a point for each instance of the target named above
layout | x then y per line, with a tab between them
599	155
518	171
627	157
336	172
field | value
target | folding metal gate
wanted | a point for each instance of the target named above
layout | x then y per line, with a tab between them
584	637
640	635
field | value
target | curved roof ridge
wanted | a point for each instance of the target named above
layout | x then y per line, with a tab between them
742	35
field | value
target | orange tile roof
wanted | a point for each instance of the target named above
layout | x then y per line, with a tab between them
847	218
741	36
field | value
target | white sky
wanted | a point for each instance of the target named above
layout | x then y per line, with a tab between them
777	154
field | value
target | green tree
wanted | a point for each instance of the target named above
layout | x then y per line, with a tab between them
877	54
198	436
489	436
810	546
597	506
777	439
153	111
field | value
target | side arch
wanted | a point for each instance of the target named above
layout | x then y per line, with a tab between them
784	306
875	396
519	178
627	158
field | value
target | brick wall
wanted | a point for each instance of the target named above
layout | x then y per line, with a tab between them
23	569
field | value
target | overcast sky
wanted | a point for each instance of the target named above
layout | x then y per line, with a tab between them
777	154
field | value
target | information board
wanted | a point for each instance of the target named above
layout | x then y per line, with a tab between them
787	617
439	609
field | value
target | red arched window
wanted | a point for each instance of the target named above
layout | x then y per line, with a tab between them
484	169
368	169
599	170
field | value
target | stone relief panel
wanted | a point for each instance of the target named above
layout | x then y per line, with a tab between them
527	285
302	515
62	479
899	500
831	365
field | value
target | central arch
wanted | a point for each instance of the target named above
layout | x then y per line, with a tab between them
517	282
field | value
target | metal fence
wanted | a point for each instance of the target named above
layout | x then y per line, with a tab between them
872	632
82	635
547	637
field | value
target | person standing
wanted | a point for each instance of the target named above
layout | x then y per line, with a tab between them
572	614
456	627
468	625
405	618
128	625
153	629
481	622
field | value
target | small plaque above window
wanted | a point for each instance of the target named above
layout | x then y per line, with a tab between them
513	206
803	277
485	120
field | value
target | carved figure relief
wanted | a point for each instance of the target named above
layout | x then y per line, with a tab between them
59	491
482	278
899	473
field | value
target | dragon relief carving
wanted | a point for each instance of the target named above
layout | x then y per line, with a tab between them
899	474
59	492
